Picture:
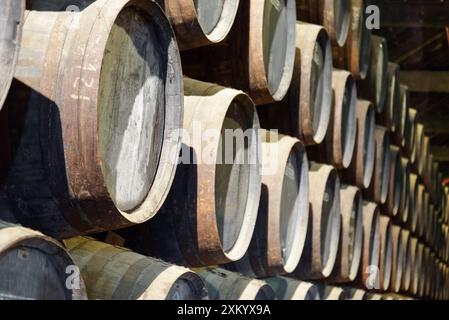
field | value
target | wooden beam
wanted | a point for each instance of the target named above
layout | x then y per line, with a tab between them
419	14
440	153
426	81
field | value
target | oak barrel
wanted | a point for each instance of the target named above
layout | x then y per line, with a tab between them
398	256
97	108
390	117
290	289
399	135
36	267
395	184
406	260
386	251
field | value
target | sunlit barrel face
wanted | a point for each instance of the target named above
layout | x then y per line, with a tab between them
294	203
131	108
355	237
369	146
209	13
329	222
186	288
28	273
348	121
278	36
233	173
342	11
320	85
11	12
388	259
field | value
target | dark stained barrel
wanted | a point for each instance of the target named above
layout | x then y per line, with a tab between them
403	210
386	251
11	22
351	240
210	214
323	235
36	267
114	273
361	169
414	266
371	245
306	110
355	54
332	293
257	57
200	22
356	294
406	260
291	289
414	202
417	161
378	189
97	112
283	215
374	87
334	15
399	136
226	285
409	149
390	117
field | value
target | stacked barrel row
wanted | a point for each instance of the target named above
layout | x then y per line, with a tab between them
342	200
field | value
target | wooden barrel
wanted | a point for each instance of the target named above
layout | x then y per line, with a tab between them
378	189
306	110
414	266
356	294
290	289
396	271
386	251
409	149
11	22
323	235
58	5
283	215
210	213
422	266
341	135
404	202
36	267
349	253
399	134
406	260
416	162
416	284
361	169
375	296
355	54
200	23
258	56
374	87
424	219
371	246
421	211
226	285
332	293
414	203
335	16
114	273
390	117
84	108
395	184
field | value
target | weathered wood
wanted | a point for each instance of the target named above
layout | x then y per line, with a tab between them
115	273
283	215
386	251
361	170
425	81
200	22
390	117
257	57
36	267
371	245
226	285
355	54
334	15
210	214
395	184
290	289
305	111
351	240
396	272
378	189
97	110
374	87
11	23
323	235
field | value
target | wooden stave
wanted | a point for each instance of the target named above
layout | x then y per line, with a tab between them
391	206
406	263
389	118
385	261
396	272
